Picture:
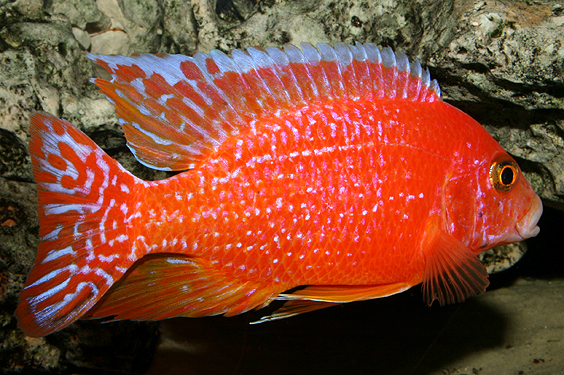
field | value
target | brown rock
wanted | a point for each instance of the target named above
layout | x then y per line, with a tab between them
502	62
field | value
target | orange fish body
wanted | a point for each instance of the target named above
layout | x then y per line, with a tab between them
339	169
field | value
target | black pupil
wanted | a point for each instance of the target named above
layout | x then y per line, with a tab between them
507	175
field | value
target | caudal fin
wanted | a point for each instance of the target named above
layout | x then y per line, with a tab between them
84	213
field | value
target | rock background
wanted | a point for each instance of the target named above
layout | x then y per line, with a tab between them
500	61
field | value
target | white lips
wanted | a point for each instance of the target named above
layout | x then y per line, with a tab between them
527	226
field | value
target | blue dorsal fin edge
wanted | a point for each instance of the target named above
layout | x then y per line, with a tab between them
176	109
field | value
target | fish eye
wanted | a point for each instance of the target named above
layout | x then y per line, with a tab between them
504	173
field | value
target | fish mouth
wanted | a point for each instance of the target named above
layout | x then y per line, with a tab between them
527	227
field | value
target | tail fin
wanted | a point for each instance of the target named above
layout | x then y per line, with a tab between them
84	211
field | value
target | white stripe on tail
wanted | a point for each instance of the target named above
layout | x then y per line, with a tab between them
84	197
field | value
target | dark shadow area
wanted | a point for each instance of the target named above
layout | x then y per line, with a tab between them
396	335
544	257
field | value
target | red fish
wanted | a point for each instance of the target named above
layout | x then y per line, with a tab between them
334	168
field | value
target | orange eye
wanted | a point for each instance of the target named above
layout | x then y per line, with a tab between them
504	173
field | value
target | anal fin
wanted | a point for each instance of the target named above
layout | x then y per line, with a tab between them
162	286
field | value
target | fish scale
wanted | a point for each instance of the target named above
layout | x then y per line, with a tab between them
241	201
335	169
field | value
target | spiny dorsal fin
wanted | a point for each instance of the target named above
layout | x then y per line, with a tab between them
176	110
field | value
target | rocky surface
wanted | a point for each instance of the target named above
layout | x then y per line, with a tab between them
500	61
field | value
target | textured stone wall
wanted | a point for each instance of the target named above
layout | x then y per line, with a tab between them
500	61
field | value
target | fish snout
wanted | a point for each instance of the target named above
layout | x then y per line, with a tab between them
527	225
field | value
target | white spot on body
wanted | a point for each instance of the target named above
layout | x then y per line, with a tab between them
122	238
53	234
178	261
107	259
72	268
50	292
57	209
55	254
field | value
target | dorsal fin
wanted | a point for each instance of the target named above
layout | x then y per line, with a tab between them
176	109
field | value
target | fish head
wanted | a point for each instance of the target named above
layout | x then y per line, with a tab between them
492	204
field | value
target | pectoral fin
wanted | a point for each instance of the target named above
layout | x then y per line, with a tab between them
452	271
